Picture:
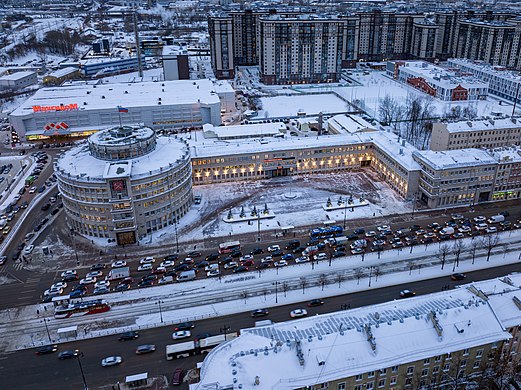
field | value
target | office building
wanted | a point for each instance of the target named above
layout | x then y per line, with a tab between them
18	80
175	63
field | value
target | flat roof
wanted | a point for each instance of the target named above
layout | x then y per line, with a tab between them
487	68
451	159
483	124
349	123
128	95
321	348
507	154
63	72
244	131
17	75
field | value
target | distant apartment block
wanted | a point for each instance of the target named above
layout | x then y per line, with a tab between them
501	81
483	133
304	49
436	81
236	38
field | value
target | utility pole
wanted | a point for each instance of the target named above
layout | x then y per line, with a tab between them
138	47
79	356
47	329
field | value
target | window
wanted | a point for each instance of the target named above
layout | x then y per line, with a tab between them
426	361
476	364
425	372
358	387
466	351
437	358
381	383
394	368
393	380
369	385
370	374
410	370
479	353
383	371
446	367
463	363
341	386
435	370
358	377
408	381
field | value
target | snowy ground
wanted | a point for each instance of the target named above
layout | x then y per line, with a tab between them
196	300
310	104
296	201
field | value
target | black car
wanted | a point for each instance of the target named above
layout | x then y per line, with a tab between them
240	269
55	211
80	287
145	349
201	264
458	276
236	254
146	283
315	302
277	253
257	251
149	277
98	267
212	257
428	240
194	254
262	266
184	326
415	228
298	249
359	231
259	313
338	254
70	278
46	349
202	336
225	260
68	354
20	246
171	273
16	256
182	267
46	206
122	287
171	258
128	336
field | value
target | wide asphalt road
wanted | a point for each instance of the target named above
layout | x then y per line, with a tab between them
24	370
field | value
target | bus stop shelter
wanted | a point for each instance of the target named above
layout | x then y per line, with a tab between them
136	380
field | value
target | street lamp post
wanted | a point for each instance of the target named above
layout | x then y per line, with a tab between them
258	227
370	274
176	237
79	356
225	329
276	283
345	213
160	311
47	329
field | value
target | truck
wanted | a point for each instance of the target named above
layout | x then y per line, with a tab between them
29	180
447	231
335	241
186	275
119	273
496	219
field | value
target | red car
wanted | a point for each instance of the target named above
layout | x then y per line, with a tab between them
248	263
177	378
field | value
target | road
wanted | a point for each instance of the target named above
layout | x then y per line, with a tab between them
51	373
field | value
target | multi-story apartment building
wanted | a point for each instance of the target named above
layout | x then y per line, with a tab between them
508	176
501	82
432	341
303	49
376	36
456	177
482	133
436	81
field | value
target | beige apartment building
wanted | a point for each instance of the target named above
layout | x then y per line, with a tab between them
483	133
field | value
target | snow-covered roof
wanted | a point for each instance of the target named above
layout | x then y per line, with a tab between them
124	135
128	95
451	159
507	154
17	75
174	50
243	131
487	68
322	348
504	294
80	164
483	124
349	123
63	72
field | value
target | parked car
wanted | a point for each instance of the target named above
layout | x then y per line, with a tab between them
129	336
178	376
259	313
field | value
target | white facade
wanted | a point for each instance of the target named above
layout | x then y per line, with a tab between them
18	80
90	107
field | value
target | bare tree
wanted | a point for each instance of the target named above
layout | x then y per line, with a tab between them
489	242
322	281
457	248
285	288
502	369
244	295
411	265
473	247
443	252
359	273
303	284
418	116
377	272
340	278
390	110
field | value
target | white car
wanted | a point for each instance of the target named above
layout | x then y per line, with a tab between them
119	264
370	233
145	267
68	272
53	291
383	228
88	280
181	334
480	219
246	258
95	274
274	248
147	260
301	259
111	361
28	249
491	229
231	265
167	263
17	197
267	259
213	273
298	313
320	256
465	229
59	285
32	190
102	283
357	250
481	226
280	263
211	267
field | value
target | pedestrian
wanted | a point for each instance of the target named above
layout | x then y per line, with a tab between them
374	214
349	306
519	258
37	312
100	252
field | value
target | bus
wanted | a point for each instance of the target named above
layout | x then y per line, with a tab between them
229	247
81	308
29	180
326	232
191	348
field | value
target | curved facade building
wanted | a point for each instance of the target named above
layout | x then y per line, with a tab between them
124	183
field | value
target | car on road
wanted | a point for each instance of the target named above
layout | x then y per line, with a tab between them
240	269
46	207
119	264
259	313
95	274
184	326
147	348
121	287
370	233
167	263
46	349
280	263
3	259
201	336
70	278
178	376
320	256
98	267
458	276
263	266
231	265
465	229
111	361
194	254
146	283
246	258
88	280
212	257
147	260
212	273
101	290
201	264
41	189
301	259
357	250
128	336
267	259
69	354
297	313
145	267
407	294
102	283
383	228
274	248
32	190
481	226
429	235
491	229
68	272
480	219
257	251
181	334
315	302
59	285
288	257
6	230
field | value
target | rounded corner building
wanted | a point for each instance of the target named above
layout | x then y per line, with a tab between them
124	183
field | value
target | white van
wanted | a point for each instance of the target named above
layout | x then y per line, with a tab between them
186	275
